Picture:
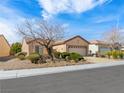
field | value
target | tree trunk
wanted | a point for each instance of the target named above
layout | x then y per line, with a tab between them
50	52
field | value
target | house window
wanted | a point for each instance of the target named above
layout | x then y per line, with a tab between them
39	49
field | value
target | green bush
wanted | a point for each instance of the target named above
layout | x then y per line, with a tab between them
34	57
21	53
116	54
15	48
76	57
65	55
109	54
21	57
57	54
121	55
70	56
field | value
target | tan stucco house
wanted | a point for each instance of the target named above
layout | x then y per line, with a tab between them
75	44
4	47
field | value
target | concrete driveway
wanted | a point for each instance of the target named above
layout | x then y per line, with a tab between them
100	80
102	60
4	59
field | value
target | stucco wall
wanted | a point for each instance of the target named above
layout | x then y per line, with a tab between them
98	48
93	48
32	48
122	48
60	48
77	41
4	47
25	47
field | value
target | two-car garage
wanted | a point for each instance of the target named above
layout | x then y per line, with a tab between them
76	44
78	49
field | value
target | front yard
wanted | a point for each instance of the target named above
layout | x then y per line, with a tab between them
26	64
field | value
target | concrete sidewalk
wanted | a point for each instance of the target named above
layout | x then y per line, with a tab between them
42	71
99	80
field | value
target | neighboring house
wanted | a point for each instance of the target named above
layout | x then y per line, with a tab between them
4	47
98	47
31	46
76	44
122	48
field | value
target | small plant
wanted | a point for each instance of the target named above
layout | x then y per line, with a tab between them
21	53
65	55
15	48
34	57
109	54
121	55
21	57
76	57
115	54
57	55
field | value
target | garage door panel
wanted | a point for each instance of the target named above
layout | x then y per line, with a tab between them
81	51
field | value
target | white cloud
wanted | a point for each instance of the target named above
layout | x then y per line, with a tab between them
103	19
54	7
6	30
8	19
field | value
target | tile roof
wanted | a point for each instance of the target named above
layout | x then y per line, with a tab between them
97	42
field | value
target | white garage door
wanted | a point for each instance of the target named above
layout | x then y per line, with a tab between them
80	50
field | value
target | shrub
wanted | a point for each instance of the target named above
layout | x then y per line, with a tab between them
109	54
21	57
65	55
115	54
15	48
76	57
121	55
34	57
57	54
21	53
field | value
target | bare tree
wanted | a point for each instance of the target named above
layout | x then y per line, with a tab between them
44	31
114	38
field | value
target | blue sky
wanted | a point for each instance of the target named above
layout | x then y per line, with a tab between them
88	18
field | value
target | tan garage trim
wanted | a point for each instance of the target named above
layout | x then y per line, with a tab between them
64	42
75	46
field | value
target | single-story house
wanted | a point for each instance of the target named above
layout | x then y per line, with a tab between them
4	47
98	47
76	44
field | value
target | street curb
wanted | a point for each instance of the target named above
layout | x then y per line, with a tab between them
51	70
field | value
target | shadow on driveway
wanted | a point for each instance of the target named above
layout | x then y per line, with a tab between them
6	58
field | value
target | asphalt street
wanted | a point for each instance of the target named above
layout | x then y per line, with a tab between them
100	80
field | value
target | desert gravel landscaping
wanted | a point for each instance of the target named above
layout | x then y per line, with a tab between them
26	64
